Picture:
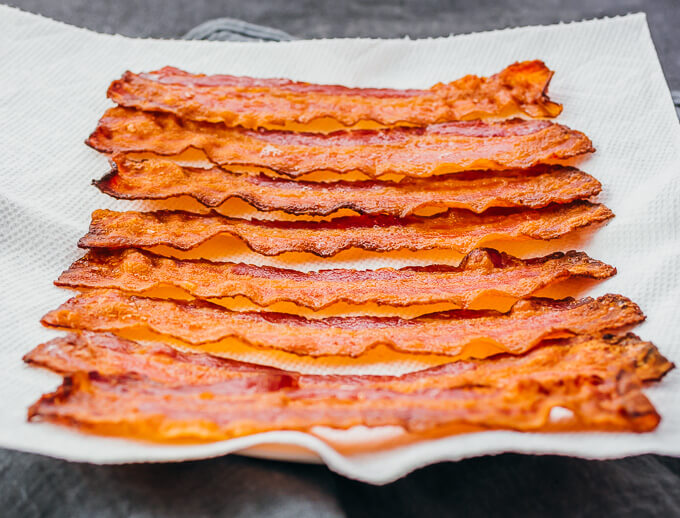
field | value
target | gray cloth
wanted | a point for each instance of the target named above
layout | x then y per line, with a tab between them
229	29
504	485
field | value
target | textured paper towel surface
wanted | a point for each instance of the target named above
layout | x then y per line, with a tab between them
52	91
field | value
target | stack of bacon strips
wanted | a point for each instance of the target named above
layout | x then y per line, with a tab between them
450	150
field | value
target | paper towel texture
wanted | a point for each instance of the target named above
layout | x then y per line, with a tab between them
52	92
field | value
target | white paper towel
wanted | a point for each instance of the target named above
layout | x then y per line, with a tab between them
52	92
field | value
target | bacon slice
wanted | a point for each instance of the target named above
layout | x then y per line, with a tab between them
594	356
137	394
458	230
132	179
440	148
251	102
482	271
198	322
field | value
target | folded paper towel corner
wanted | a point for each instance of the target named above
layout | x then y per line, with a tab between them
52	92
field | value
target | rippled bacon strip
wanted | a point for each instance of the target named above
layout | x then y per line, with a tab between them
112	355
198	322
477	191
251	102
458	230
482	271
155	392
440	148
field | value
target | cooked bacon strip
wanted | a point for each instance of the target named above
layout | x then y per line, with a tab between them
108	354
197	322
132	179
440	148
251	102
597	379
458	230
482	271
128	406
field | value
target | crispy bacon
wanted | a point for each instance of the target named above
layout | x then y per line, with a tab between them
477	191
198	322
458	230
482	271
594	356
440	148
251	102
154	392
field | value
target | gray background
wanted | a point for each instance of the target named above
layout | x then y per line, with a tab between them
505	485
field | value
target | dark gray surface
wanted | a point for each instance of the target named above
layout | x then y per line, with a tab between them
505	485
